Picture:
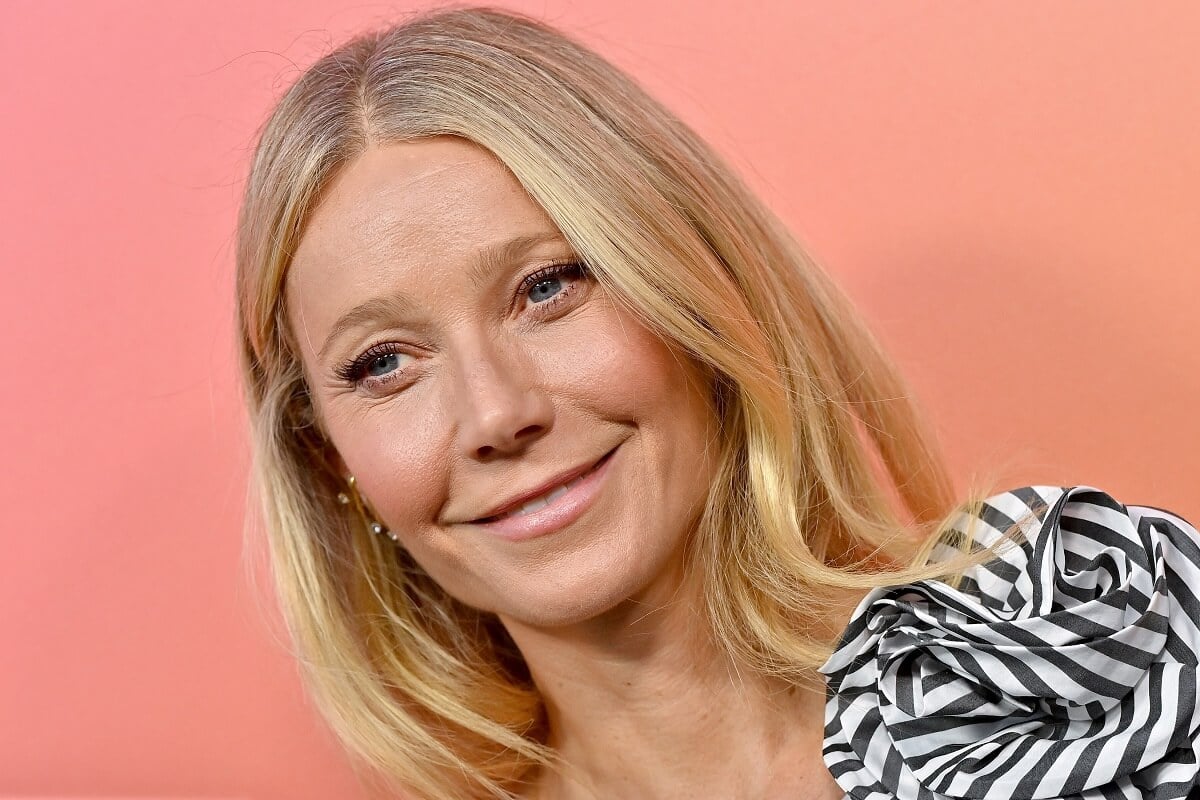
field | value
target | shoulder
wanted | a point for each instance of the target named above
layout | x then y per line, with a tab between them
1065	668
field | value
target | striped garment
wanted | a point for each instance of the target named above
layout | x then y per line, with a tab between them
1065	669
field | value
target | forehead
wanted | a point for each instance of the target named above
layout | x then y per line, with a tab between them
398	213
438	191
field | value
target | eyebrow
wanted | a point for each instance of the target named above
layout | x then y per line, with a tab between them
485	263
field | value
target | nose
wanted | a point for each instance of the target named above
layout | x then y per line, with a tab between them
499	401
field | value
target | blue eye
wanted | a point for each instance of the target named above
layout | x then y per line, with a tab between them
377	362
546	288
541	284
381	365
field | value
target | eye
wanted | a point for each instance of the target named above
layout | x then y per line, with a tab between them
545	288
380	362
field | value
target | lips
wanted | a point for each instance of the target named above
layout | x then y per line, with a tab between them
555	487
545	519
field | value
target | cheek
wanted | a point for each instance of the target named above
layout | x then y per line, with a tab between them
620	368
659	385
398	463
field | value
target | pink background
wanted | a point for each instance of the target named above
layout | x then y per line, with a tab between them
1008	189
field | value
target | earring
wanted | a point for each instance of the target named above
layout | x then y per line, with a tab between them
354	497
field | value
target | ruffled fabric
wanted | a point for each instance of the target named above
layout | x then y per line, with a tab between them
1067	668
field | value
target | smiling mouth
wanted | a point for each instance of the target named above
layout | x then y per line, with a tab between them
549	497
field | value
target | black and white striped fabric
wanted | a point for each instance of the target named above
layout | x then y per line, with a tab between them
1065	669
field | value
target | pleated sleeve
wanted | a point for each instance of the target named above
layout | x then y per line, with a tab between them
1067	668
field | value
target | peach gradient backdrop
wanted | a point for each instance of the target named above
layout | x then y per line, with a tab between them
1008	189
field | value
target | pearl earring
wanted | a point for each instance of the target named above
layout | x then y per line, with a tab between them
354	497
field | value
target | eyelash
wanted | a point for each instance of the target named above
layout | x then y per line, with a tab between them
353	371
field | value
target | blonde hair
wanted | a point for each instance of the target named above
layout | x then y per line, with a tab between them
828	478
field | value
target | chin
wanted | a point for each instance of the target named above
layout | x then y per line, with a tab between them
567	611
570	601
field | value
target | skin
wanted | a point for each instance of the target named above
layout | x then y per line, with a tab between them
493	389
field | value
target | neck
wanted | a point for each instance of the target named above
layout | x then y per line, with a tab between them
642	703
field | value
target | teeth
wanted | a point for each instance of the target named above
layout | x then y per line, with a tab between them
546	499
557	493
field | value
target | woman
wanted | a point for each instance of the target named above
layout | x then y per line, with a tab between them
582	480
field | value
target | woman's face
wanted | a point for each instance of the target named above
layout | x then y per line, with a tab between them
449	383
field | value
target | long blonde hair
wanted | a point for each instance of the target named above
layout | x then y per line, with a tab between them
828	478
